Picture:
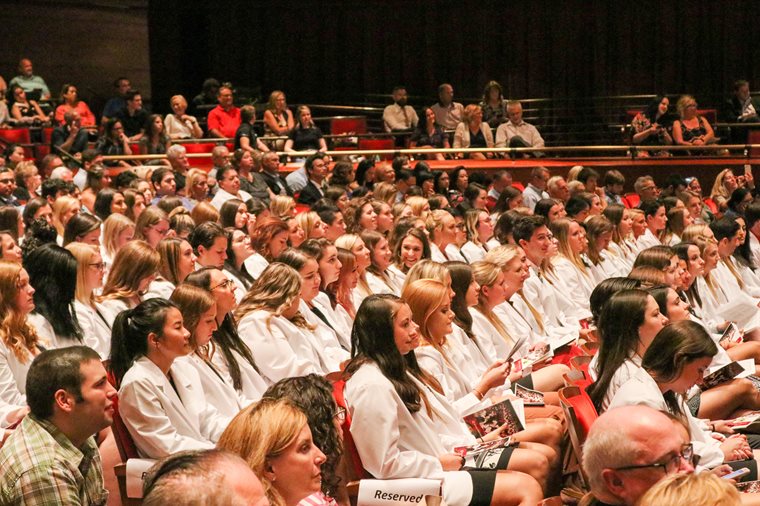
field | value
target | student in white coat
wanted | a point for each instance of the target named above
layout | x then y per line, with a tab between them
479	229
656	219
361	252
321	305
333	350
233	358
161	400
409	245
269	239
443	231
272	326
177	261
379	280
570	271
90	271
210	241
341	292
675	361
19	343
134	268
198	309
627	325
402	427
55	270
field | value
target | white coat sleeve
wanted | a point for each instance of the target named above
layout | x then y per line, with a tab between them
148	424
375	429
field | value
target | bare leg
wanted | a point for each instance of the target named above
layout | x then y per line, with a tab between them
531	462
748	349
516	488
722	401
549	378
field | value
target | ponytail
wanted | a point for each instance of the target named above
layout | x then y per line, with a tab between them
129	337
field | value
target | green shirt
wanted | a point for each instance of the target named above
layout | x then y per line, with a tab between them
39	465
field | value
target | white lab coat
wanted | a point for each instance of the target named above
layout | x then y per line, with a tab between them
378	285
97	333
647	240
255	265
340	322
12	382
491	344
453	253
218	392
159	288
110	308
625	372
281	349
473	252
253	385
163	421
571	281
394	443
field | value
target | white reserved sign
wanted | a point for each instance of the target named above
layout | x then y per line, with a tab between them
404	491
136	470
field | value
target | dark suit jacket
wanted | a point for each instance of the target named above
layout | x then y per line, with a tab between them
732	109
276	183
309	194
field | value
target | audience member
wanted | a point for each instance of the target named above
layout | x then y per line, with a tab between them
70	137
224	119
52	457
180	125
30	82
536	189
473	132
133	117
516	133
115	104
494	105
448	113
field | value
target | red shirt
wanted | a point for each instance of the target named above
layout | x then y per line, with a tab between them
227	122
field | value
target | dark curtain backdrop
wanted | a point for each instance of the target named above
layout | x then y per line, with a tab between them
318	51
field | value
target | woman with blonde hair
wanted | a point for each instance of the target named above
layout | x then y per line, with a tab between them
355	244
204	212
282	206
312	224
198	309
118	230
152	226
724	185
695	489
196	186
90	273
479	229
385	192
691	129
570	270
622	246
278	119
177	262
19	342
270	322
179	125
134	268
420	206
473	132
409	245
64	208
442	229
305	136
274	438
341	292
604	263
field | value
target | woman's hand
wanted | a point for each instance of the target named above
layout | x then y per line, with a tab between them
451	462
494	376
736	448
723	426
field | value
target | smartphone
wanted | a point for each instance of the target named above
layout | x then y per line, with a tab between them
744	471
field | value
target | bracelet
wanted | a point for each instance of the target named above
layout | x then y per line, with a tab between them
477	394
461	465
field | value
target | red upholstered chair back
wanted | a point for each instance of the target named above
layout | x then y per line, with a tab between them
378	144
348	125
124	442
578	379
632	200
354	467
580	415
15	135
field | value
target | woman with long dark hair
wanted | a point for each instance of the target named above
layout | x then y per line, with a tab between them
675	361
55	270
234	359
627	325
418	442
160	401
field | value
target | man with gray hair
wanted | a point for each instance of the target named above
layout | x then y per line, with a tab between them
176	155
558	189
516	133
536	189
628	450
200	477
646	188
448	113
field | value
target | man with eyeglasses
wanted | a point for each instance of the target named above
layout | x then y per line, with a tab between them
631	448
7	186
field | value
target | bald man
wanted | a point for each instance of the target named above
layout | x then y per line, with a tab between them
628	450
